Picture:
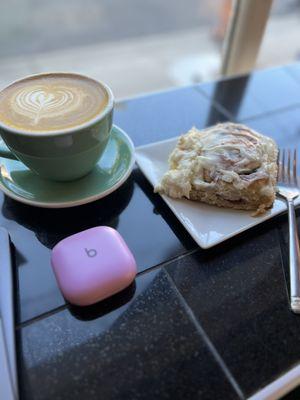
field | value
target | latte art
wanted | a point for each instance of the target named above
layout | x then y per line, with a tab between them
51	102
36	102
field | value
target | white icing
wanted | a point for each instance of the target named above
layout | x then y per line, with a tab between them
223	152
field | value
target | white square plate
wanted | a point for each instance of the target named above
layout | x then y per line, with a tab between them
208	225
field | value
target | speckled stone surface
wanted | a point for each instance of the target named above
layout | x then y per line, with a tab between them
140	216
241	299
293	70
249	96
198	324
283	126
167	114
147	349
34	231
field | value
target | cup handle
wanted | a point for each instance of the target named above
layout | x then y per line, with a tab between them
5	152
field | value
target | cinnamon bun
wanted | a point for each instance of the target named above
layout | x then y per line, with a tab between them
228	165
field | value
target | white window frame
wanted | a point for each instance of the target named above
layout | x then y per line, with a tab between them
244	35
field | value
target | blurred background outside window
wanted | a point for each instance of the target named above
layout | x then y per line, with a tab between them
136	46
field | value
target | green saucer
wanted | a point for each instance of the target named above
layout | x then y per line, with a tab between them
114	167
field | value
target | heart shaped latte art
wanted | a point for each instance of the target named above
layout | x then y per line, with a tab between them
37	103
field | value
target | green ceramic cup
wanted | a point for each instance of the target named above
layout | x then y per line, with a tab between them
61	155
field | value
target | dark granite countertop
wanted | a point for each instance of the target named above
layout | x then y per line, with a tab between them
197	324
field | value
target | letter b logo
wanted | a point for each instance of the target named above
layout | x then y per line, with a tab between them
90	252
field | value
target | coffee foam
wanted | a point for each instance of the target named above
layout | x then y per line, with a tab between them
51	102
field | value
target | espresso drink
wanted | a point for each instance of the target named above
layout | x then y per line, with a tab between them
51	102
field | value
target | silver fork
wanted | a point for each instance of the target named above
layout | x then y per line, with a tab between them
287	187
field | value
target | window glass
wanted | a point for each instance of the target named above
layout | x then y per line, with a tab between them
281	43
135	46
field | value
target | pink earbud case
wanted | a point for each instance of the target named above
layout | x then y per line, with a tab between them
92	265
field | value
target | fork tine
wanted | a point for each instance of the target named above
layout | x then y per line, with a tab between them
283	166
289	166
295	167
